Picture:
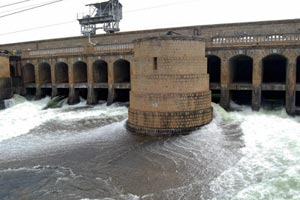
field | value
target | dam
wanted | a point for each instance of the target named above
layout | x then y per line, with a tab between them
252	63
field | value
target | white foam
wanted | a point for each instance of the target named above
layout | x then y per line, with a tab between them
24	116
270	166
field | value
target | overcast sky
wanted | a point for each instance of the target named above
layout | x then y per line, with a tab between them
137	15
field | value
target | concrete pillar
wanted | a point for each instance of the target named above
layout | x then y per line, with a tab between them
38	94
91	98
111	89
225	75
291	86
256	83
53	78
73	97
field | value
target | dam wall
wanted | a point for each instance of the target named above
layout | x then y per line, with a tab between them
254	63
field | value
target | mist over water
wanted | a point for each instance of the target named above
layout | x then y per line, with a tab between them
85	152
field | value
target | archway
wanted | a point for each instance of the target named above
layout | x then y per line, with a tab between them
44	73
28	73
61	73
214	68
241	67
100	71
122	71
274	69
80	72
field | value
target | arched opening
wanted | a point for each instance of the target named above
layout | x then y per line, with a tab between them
122	95
241	67
214	68
61	73
241	97
80	72
122	71
28	73
100	71
215	96
45	73
298	70
274	69
273	99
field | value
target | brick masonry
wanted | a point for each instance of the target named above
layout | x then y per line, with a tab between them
169	86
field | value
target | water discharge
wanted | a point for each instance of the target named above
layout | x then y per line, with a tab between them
84	152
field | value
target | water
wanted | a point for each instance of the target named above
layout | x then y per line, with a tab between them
82	152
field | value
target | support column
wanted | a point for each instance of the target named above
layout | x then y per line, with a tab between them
91	98
111	89
225	74
290	103
73	97
38	94
256	83
53	78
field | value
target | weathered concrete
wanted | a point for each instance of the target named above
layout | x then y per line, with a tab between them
227	46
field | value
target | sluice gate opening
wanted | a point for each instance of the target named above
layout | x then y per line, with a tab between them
30	93
273	99
214	68
216	96
100	73
61	73
274	69
241	97
46	92
101	94
241	68
81	93
63	92
122	71
122	95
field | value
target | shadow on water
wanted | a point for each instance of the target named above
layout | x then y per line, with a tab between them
75	159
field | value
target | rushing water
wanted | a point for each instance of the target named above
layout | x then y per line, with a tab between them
83	152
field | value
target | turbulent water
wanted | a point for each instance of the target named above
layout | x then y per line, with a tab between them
83	152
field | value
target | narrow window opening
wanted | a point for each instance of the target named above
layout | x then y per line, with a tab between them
155	63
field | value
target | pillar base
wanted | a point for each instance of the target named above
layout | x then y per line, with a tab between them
54	91
73	97
225	97
38	93
159	132
111	95
256	98
91	98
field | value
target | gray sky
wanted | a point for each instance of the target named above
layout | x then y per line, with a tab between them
138	15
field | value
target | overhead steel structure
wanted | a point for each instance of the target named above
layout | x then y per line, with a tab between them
108	13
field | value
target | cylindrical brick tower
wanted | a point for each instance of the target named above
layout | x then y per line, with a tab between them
169	86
